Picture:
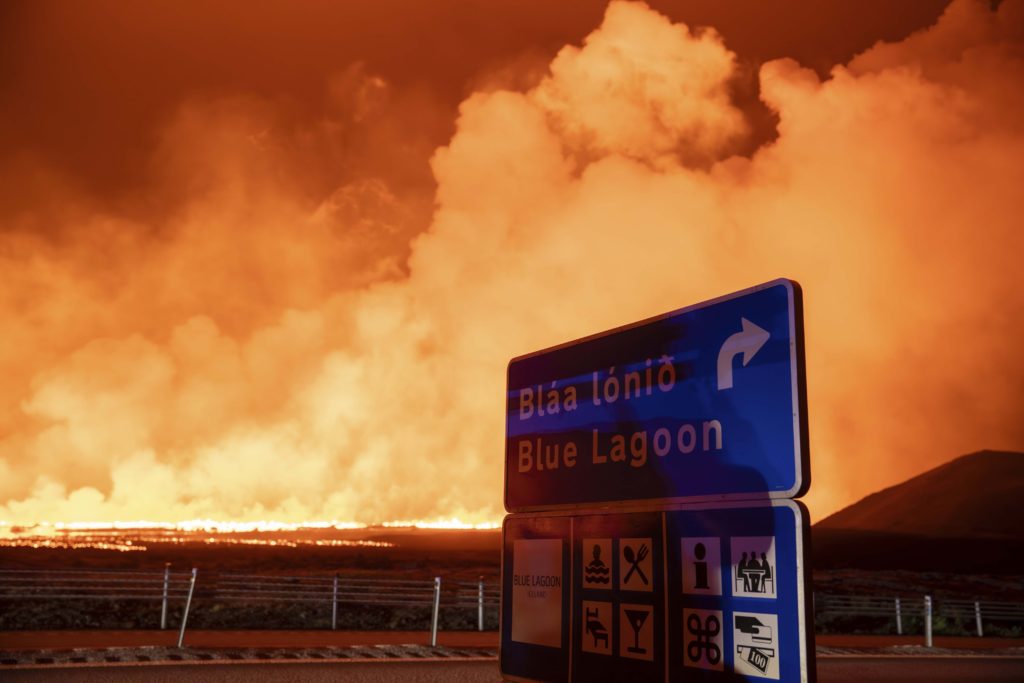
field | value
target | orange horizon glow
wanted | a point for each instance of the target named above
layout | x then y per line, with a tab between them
140	535
291	295
230	527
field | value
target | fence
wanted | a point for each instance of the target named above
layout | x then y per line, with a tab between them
181	588
923	607
31	584
178	589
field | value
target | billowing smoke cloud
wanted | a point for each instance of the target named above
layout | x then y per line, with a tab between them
271	349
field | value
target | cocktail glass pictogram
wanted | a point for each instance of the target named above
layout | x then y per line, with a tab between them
637	618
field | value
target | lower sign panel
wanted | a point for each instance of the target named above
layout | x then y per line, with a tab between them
690	592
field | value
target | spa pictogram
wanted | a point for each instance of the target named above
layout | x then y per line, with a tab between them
597	556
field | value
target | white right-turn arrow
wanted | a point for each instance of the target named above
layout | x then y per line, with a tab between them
748	341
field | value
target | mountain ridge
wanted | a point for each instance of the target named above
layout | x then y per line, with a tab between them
978	495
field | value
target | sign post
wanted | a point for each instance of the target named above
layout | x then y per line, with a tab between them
650	471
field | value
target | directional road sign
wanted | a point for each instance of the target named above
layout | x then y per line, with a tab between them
707	591
704	403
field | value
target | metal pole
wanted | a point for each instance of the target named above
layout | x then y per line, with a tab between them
899	619
188	604
163	608
480	605
977	618
437	609
927	621
334	606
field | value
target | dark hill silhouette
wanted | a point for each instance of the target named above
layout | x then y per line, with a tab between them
964	516
976	495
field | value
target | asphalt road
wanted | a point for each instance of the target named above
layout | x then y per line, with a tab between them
830	670
378	672
931	669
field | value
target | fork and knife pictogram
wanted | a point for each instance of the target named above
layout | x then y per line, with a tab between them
634	560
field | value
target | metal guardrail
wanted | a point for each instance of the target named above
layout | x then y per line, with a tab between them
98	584
168	587
173	587
924	607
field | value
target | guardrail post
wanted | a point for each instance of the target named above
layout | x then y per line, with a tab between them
163	608
899	619
188	605
480	605
334	606
927	621
977	618
437	610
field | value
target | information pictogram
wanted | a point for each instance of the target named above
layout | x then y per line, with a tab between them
757	644
702	566
597	559
636	632
703	639
597	627
753	566
635	564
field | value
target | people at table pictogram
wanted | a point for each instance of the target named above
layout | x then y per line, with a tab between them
754	573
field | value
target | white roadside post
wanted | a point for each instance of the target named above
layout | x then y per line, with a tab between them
188	605
163	608
480	605
437	609
927	621
977	618
899	619
334	605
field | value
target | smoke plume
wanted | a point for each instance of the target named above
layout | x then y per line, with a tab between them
272	346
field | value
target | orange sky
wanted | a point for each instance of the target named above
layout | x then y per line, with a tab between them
270	263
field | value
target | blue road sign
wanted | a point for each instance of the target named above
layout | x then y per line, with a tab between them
714	591
704	403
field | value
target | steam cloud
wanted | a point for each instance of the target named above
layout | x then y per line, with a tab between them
270	348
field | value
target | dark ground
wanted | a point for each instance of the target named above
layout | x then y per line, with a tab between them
456	555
